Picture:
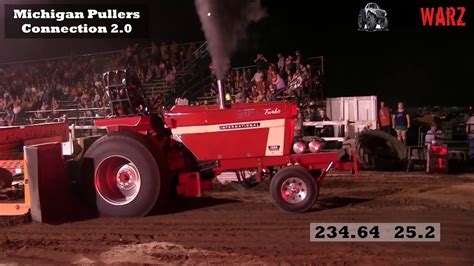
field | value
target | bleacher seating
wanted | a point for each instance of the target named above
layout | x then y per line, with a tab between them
97	63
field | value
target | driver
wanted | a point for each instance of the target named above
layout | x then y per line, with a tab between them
135	93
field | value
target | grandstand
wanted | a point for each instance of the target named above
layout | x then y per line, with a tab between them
70	88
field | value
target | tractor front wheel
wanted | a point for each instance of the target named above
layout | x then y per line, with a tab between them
294	189
127	178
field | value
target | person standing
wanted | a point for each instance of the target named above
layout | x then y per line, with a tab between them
261	61
281	63
278	85
10	117
401	122
384	118
470	124
434	134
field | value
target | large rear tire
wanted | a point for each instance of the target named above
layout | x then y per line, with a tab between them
127	179
294	189
380	151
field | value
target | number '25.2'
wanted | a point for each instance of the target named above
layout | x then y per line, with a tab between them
412	233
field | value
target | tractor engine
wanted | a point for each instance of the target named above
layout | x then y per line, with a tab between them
242	131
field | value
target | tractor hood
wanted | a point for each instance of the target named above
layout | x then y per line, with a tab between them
241	131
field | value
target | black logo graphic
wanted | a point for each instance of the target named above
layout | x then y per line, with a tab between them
372	18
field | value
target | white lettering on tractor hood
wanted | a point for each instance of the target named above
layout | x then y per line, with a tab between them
270	111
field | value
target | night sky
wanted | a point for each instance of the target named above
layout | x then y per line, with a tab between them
410	63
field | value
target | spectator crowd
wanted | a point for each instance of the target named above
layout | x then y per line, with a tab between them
287	77
41	91
34	91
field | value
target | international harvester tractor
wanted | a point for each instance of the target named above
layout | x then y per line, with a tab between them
147	157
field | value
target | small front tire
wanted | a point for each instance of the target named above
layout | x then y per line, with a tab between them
294	189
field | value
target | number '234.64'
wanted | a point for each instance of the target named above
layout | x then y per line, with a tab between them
333	232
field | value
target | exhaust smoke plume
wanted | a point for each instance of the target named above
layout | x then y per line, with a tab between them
224	23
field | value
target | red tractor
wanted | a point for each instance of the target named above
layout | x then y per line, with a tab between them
145	158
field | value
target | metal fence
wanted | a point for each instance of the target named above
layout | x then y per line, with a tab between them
107	53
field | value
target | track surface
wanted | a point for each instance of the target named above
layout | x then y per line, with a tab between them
244	227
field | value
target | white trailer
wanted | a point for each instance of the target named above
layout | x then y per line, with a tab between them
349	116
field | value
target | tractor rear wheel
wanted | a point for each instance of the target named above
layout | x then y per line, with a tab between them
381	151
127	179
294	189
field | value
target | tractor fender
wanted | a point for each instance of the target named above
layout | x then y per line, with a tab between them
141	150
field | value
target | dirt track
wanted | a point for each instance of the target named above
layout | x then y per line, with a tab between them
244	227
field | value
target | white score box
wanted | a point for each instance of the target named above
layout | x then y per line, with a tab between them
375	232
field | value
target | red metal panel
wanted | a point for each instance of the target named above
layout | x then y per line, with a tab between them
204	129
180	116
14	155
289	136
312	161
49	185
12	138
12	165
227	144
129	121
316	161
139	124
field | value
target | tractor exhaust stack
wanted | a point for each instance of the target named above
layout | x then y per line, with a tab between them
221	94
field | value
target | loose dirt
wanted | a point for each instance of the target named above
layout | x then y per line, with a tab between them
235	227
